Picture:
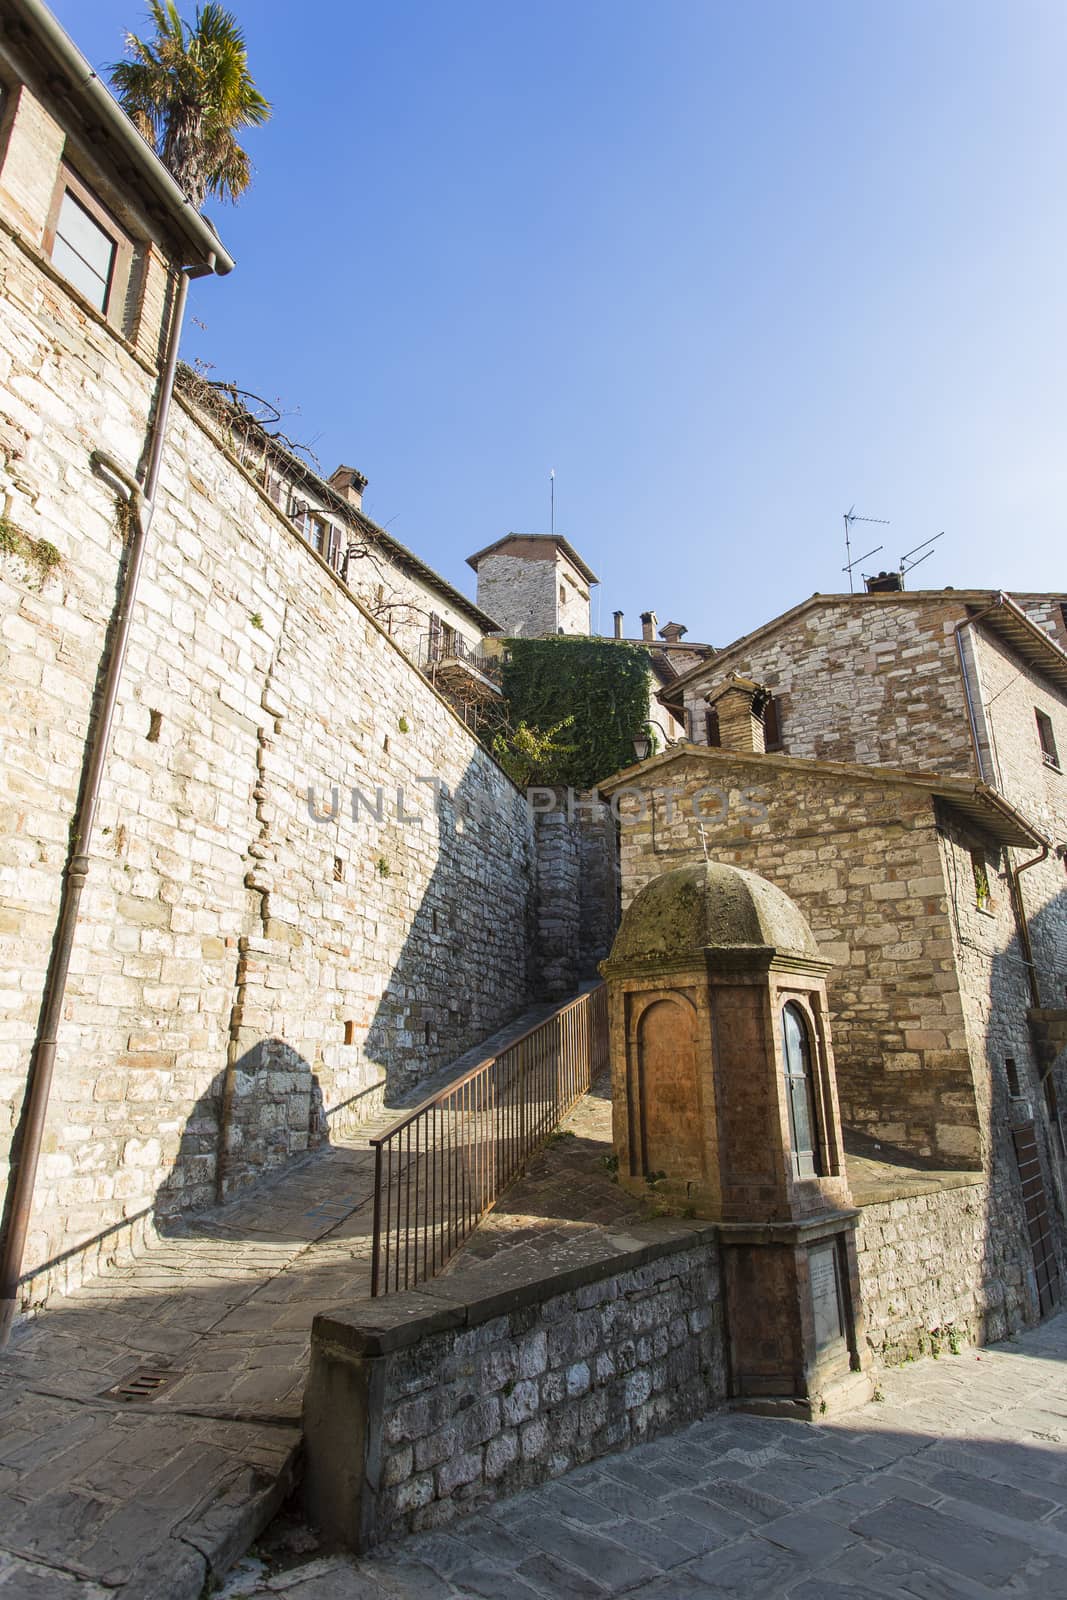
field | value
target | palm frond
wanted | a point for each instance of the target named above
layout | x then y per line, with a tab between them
187	90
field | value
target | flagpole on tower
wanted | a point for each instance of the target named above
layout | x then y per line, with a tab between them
552	495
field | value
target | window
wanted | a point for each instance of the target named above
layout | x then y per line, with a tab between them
772	725
983	899
1012	1071
320	534
562	595
712	735
1049	753
796	1050
88	246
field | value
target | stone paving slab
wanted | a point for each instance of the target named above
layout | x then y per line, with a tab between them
152	1499
952	1487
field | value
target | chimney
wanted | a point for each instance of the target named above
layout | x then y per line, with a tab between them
885	583
618	623
672	632
350	485
648	626
739	706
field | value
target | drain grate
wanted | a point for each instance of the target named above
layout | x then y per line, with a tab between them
143	1384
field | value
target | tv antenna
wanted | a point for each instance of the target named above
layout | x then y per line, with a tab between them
906	563
552	498
851	517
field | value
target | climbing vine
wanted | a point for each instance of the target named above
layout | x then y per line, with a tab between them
598	688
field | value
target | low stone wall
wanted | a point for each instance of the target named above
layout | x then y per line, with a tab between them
930	1279
423	1405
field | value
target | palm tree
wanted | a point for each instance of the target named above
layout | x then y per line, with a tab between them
187	91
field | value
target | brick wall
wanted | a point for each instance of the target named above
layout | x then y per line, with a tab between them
427	1404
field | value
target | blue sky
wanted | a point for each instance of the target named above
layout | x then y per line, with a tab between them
728	268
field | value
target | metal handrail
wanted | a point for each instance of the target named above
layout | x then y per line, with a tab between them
443	1165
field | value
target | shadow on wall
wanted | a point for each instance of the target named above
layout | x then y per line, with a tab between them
465	968
1029	1146
468	964
265	1108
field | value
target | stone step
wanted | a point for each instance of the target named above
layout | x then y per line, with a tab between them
154	1497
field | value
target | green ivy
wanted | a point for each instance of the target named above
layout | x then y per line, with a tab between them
600	685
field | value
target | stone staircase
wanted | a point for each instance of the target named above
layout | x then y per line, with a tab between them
150	1421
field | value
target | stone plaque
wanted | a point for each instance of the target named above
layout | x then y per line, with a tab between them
825	1294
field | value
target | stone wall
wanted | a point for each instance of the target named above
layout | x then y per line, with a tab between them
1013	693
310	886
936	1273
861	859
424	1405
577	888
533	594
874	680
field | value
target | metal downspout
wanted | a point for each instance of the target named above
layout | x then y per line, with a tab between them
141	500
972	715
1023	923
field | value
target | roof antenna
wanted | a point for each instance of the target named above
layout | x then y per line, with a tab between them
850	518
552	494
906	563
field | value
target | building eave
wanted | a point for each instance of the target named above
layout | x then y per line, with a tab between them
976	801
540	538
1039	646
71	78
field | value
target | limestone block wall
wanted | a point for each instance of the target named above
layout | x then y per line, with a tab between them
520	593
875	681
862	862
937	1272
1013	694
1048	611
253	967
531	594
424	1405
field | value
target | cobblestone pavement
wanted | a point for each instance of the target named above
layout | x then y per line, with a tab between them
151	1496
954	1487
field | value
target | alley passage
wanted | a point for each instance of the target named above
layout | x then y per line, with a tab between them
150	1420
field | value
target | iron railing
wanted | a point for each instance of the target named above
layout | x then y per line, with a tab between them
442	1167
439	647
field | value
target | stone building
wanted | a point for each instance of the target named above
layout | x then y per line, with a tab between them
891	761
535	584
538	585
308	883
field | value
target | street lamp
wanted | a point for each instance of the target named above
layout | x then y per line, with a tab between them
642	746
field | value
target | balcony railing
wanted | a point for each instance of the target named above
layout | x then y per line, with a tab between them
442	1167
437	649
